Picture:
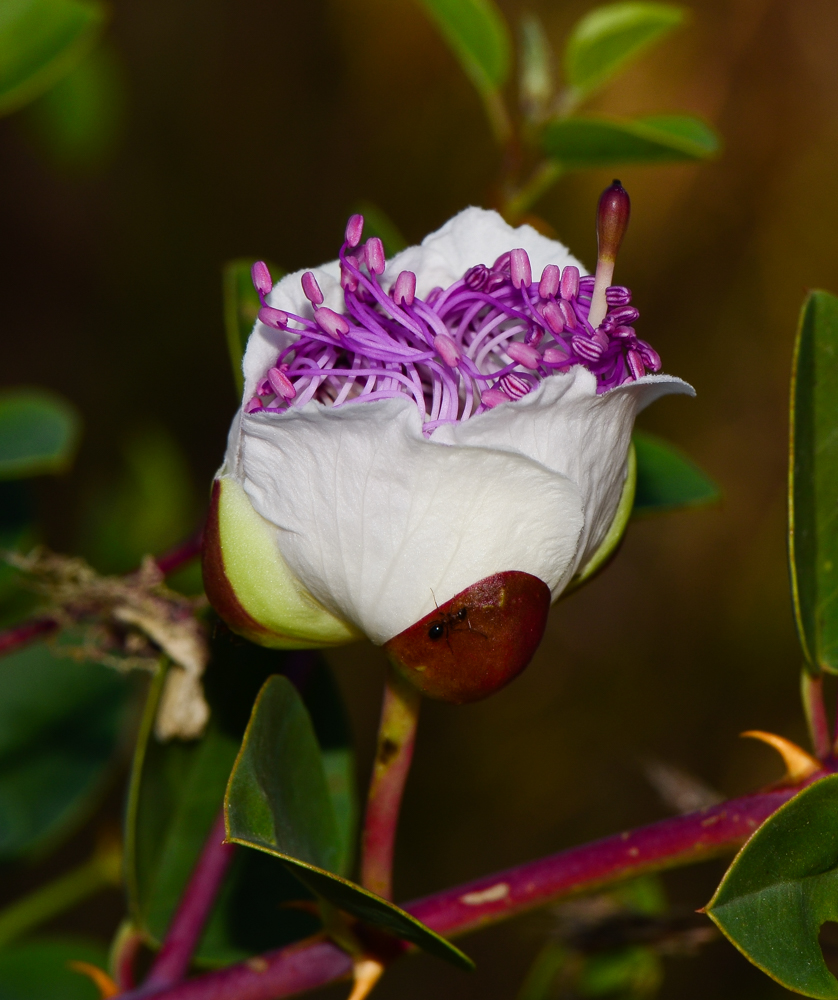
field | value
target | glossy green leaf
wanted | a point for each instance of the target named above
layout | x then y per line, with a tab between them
38	970
59	730
78	122
813	481
241	307
39	432
278	802
780	889
477	32
40	41
378	223
587	141
608	38
667	479
177	791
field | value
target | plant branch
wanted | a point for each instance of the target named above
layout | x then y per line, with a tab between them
544	177
396	737
185	930
811	691
669	843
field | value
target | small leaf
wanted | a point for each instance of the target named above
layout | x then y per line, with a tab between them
667	479
610	37
177	790
477	32
39	432
40	41
278	802
780	889
38	970
241	307
595	141
59	730
813	481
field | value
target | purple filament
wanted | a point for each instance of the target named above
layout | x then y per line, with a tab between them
491	337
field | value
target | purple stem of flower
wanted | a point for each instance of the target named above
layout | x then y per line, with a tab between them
185	930
666	844
452	352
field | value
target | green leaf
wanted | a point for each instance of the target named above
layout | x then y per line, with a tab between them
278	802
77	123
479	37
378	223
39	432
59	730
813	481
780	889
241	307
667	479
40	41
177	791
610	37
38	970
587	141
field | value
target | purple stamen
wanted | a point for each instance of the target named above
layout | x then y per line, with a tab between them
311	289
491	337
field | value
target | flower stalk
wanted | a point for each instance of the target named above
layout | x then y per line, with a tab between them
394	753
666	844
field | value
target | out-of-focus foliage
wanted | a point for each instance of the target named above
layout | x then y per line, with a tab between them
41	41
667	479
60	726
39	432
39	970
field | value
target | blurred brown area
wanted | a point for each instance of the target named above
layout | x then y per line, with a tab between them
253	128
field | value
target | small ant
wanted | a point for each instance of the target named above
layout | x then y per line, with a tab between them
449	622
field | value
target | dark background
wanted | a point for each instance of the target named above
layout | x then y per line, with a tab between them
251	129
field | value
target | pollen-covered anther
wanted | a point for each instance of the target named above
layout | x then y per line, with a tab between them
524	354
374	252
311	289
447	349
494	397
354	230
553	317
404	290
570	282
520	270
550	280
261	277
331	322
281	384
275	318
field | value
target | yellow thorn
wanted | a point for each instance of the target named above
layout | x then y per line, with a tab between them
365	974
106	986
799	764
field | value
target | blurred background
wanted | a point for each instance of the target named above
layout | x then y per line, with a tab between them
253	129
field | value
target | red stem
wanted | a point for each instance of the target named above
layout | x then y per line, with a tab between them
666	844
184	932
811	689
181	554
396	738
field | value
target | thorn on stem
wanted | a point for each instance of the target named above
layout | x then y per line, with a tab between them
799	764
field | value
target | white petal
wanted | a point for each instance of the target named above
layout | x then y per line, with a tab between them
568	428
378	522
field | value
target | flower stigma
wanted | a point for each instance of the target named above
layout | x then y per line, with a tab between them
489	338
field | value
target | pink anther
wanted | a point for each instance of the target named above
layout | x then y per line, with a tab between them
447	349
570	282
549	283
404	289
261	277
354	230
494	397
281	384
523	354
311	289
376	260
331	322
273	317
553	317
520	270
